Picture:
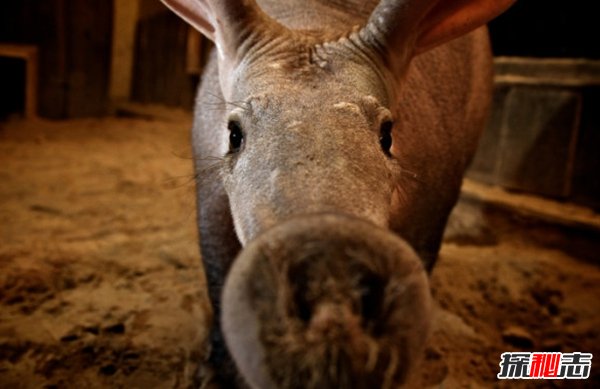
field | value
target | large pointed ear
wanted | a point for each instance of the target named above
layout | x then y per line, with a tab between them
228	23
449	19
399	29
197	13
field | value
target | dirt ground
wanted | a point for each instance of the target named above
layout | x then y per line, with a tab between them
101	283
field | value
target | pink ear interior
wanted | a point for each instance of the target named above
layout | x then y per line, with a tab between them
196	13
450	19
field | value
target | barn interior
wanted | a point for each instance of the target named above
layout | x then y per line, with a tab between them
101	283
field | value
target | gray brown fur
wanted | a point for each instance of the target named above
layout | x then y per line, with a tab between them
310	83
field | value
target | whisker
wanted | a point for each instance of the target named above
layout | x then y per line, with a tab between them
407	179
239	104
201	174
212	158
411	174
180	181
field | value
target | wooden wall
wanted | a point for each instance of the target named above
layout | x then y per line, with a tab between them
544	131
160	64
74	39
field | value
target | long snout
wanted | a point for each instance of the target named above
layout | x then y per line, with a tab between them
326	301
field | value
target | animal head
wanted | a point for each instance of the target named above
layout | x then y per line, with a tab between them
312	111
311	170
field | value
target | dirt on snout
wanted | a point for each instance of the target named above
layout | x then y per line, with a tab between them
101	283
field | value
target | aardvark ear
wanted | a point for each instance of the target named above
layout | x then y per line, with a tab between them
449	19
399	29
231	24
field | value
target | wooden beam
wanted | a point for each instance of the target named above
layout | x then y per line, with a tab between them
126	15
29	54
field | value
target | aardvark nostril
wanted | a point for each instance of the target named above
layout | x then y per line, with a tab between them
336	281
326	290
371	287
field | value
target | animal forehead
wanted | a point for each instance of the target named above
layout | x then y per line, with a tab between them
315	101
323	77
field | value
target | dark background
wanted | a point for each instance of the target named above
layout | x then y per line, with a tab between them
548	28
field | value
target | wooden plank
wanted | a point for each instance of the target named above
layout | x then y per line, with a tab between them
160	64
586	175
15	50
538	139
193	54
126	13
485	163
31	86
89	46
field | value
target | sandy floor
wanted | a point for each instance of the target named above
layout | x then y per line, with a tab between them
101	284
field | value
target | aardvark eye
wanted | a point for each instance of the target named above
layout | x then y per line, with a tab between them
236	136
385	137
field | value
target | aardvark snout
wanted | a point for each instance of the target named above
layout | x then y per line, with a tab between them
326	301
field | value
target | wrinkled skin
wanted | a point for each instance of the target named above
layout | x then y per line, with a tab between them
310	103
